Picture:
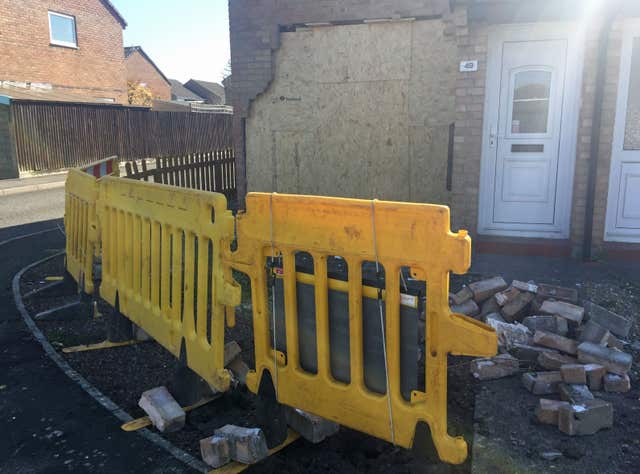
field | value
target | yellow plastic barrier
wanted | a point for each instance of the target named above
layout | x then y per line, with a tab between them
397	235
162	267
81	193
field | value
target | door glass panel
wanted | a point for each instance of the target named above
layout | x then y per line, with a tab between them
632	127
531	92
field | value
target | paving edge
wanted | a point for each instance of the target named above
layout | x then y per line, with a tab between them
30	188
96	394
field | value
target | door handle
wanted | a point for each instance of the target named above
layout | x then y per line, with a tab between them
493	136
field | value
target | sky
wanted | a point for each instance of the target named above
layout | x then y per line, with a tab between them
187	39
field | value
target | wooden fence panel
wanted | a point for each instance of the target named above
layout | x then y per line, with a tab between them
52	136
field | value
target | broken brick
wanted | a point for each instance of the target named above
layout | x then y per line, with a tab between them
514	308
554	360
468	308
548	323
617	383
554	341
510	334
542	383
574	374
614	361
595	374
570	295
485	289
618	325
462	296
311	427
507	295
524	286
614	343
586	418
593	332
574	393
547	411
563	309
163	411
215	451
529	353
497	367
246	445
488	307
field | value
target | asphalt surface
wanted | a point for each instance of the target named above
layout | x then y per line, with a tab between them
30	207
48	424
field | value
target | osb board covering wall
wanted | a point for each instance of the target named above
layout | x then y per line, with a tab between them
357	111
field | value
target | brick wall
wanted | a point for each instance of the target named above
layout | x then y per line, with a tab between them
95	69
142	71
8	166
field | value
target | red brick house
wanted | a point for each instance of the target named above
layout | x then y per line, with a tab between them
523	116
142	70
70	46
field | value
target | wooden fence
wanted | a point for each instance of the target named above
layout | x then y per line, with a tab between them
51	136
213	171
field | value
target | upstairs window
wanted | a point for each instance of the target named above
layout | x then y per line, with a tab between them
62	30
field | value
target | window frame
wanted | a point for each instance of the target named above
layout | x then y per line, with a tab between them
56	42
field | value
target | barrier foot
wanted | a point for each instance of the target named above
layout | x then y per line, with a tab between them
234	467
99	345
54	278
143	422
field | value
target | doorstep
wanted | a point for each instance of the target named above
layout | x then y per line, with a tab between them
529	247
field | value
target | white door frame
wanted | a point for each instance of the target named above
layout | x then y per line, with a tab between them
498	34
611	233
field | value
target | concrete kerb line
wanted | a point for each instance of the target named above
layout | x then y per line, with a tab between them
96	394
30	188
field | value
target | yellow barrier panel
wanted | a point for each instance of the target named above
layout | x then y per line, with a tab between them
81	193
399	235
162	267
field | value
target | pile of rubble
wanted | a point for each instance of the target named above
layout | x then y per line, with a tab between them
572	349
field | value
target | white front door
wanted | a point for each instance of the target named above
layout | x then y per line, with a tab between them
526	173
623	204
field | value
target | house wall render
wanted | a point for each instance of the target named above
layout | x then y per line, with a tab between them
356	110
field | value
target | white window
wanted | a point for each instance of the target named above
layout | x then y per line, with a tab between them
62	30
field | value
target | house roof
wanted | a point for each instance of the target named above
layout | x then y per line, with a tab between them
212	87
113	10
129	50
180	91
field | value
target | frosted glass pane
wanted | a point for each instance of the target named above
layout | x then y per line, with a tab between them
632	127
531	102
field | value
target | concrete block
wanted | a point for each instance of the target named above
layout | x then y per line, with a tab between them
510	334
462	296
231	351
468	308
542	383
524	286
505	296
485	289
595	375
614	361
311	427
215	451
585	418
497	367
529	353
547	411
563	309
618	325
593	332
574	393
239	369
548	323
246	445
554	341
165	413
570	295
574	374
617	383
555	360
515	308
